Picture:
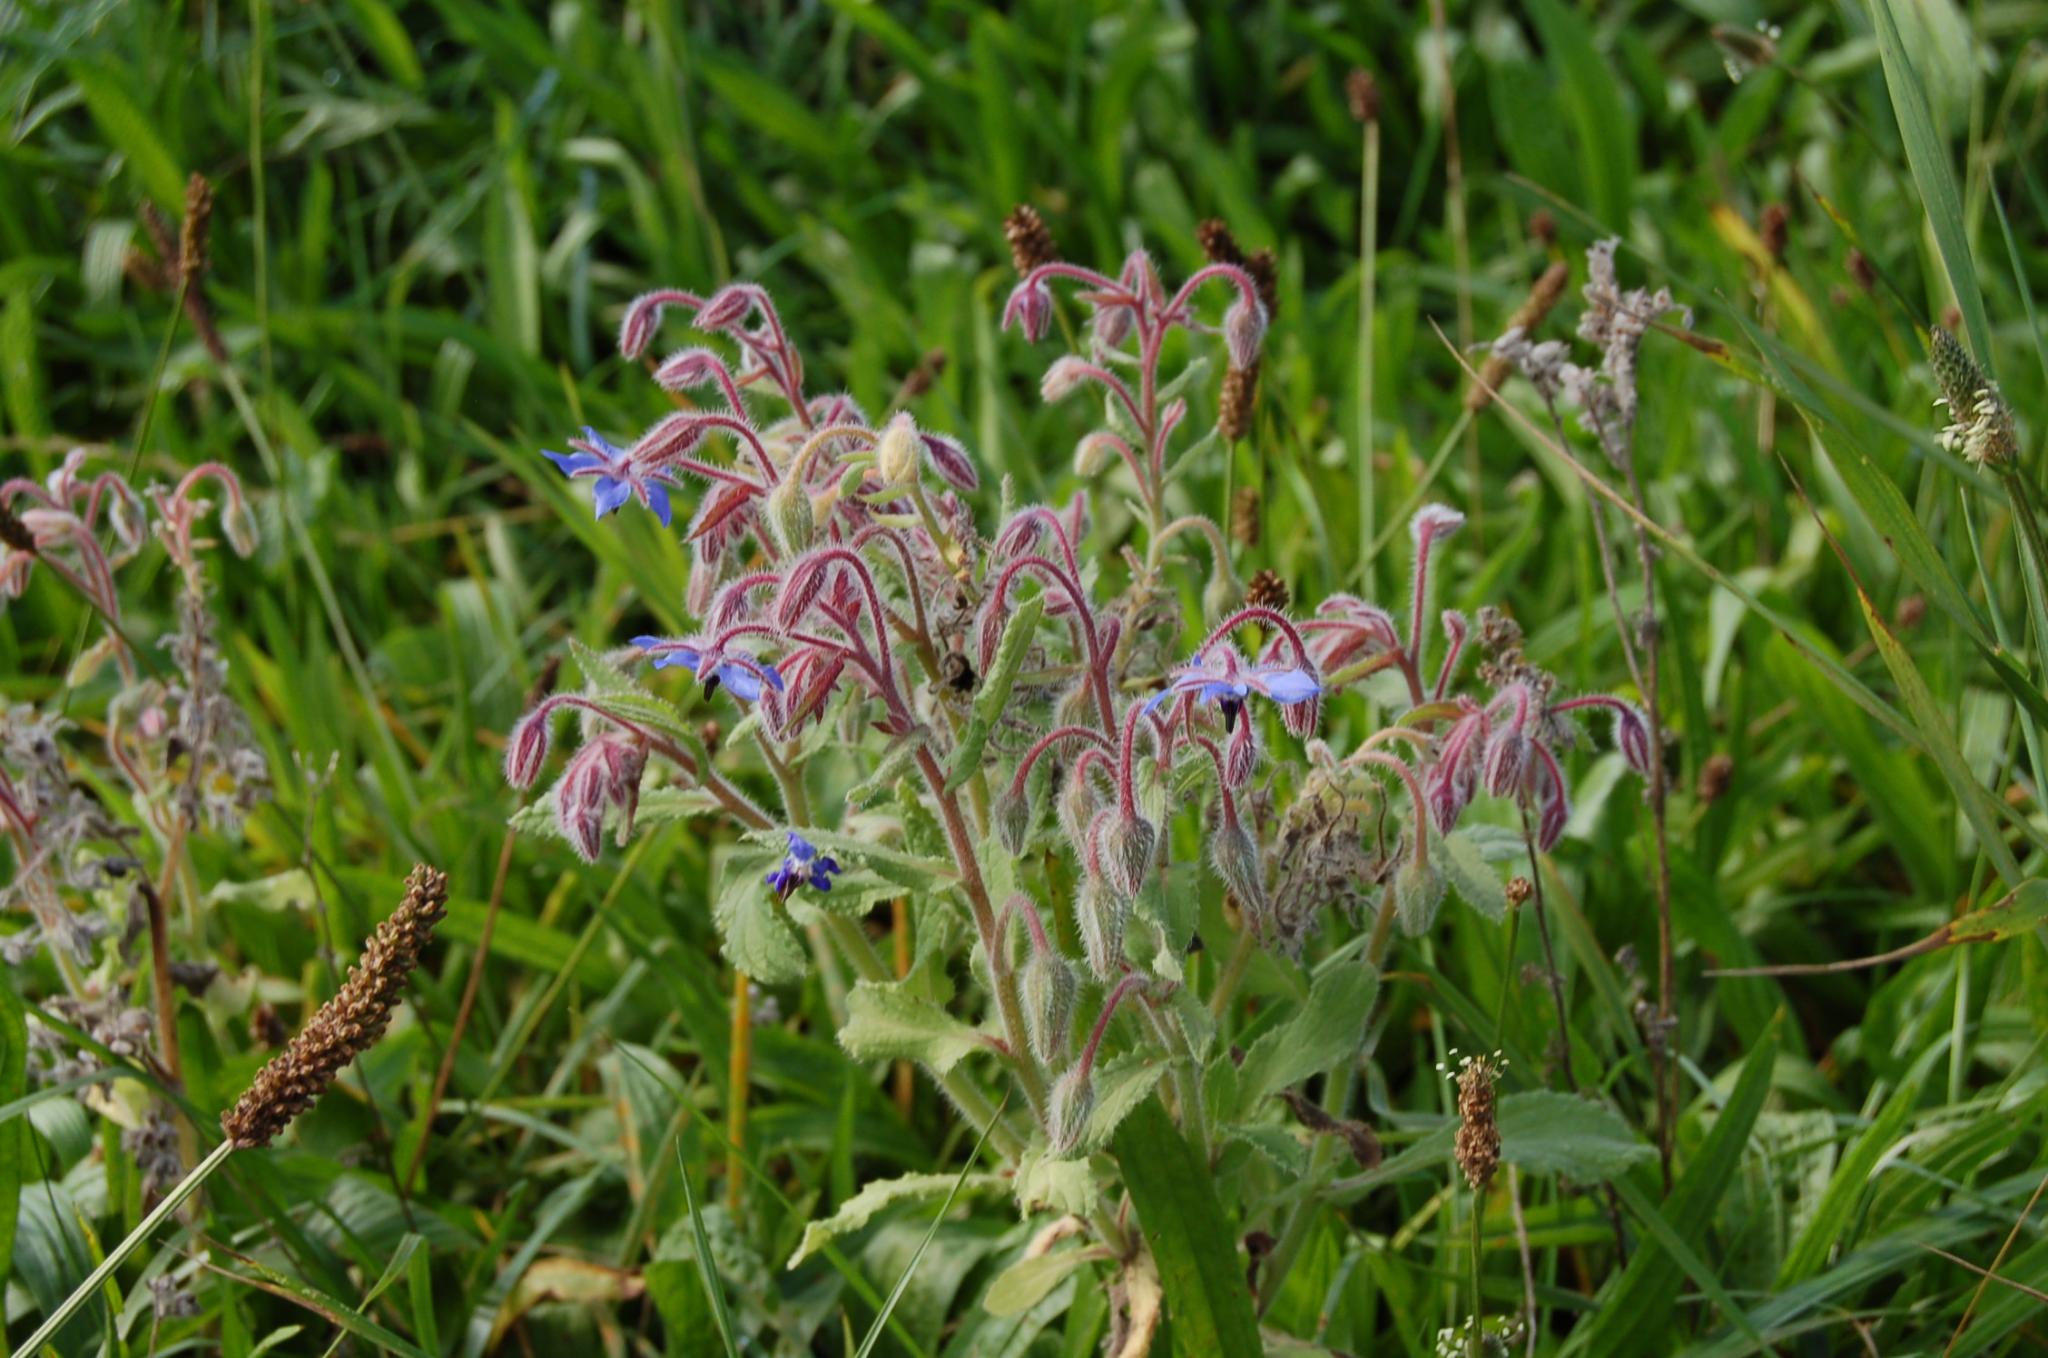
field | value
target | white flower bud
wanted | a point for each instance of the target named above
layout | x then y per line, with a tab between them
1066	1113
1101	915
789	517
1418	895
1048	985
898	453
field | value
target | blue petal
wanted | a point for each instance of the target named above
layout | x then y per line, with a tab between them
1215	691
572	463
740	680
773	675
597	440
1152	703
828	864
1290	686
800	849
657	500
820	880
610	494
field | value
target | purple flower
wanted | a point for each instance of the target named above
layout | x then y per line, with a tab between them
714	665
802	863
617	479
1225	678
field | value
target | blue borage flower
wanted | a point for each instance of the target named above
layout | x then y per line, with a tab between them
743	675
802	864
617	480
1224	677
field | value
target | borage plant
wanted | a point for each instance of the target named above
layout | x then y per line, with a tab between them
1049	776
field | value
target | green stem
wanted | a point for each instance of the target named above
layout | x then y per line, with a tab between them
1474	1344
173	1200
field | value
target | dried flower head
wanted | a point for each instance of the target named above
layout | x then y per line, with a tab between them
1514	348
347	1025
1478	1143
1266	590
195	232
1362	95
1031	243
1234	407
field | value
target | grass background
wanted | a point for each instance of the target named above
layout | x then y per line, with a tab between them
428	217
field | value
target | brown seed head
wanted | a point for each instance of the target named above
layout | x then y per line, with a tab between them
346	1026
923	377
195	233
1266	590
1031	244
1245	518
1234	408
1911	611
1362	94
1860	269
1218	245
1714	778
1520	889
1478	1141
1774	228
1543	227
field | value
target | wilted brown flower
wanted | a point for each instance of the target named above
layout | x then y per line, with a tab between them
347	1025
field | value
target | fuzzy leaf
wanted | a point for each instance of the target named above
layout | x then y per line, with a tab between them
1120	1086
1327	1029
1472	877
859	1209
1027	1282
1064	1185
754	932
887	1023
1546	1132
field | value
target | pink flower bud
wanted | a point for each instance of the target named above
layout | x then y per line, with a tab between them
1111	325
1029	307
643	314
1063	378
950	460
1240	754
688	369
1506	762
1244	329
1632	738
579	805
526	750
1433	522
727	307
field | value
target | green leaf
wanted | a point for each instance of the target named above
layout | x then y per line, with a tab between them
1546	1132
1474	879
1055	1183
1830	1219
1120	1087
884	1022
1328	1028
860	1209
1025	1283
754	931
2018	912
1927	154
1207	1299
109	98
995	692
1621	1324
13	1131
1940	742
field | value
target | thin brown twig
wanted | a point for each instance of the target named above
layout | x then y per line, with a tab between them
1988	1274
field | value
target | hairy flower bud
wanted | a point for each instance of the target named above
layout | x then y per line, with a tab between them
789	517
1126	848
1030	308
239	523
1235	856
688	369
526	749
1077	807
1094	453
1506	762
1110	326
1012	816
1223	595
1067	1111
1101	915
1240	755
1418	895
950	460
1632	738
897	452
1244	329
1063	378
1048	991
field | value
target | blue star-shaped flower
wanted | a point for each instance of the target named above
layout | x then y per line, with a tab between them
803	863
617	480
738	671
1224	677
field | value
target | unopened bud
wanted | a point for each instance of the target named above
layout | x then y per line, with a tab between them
1101	914
1094	453
1418	895
526	749
1077	807
1632	738
1223	595
897	452
1048	985
1127	843
239	523
1012	816
1066	1113
789	517
1244	328
1235	855
1063	378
